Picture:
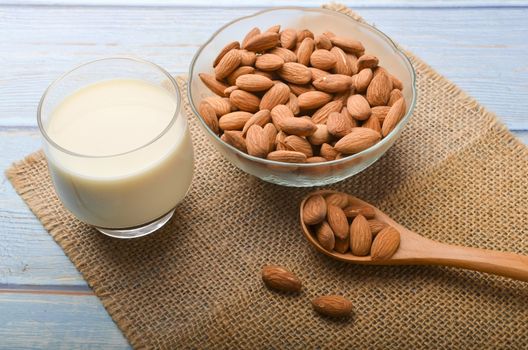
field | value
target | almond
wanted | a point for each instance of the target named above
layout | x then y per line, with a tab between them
358	107
346	113
242	70
333	83
354	210
380	112
262	42
385	244
338	124
244	101
235	139
285	54
227	64
249	35
305	50
220	105
298	144
314	210
372	123
367	61
376	226
396	83
328	152
271	133
295	73
288	38
323	59
269	62
332	306
247	58
325	236
337	220
232	45
269	75
313	99
261	118
279	113
278	94
253	82
342	66
214	85
323	42
359	139
318	73
300	89
297	126
257	142
395	95
379	89
281	136
342	245
360	236
320	136
234	120
396	112
281	279
348	45
321	115
274	29
351	62
361	81
208	115
303	34
229	90
316	160
338	199
293	104
287	156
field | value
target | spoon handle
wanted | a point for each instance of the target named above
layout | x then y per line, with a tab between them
499	263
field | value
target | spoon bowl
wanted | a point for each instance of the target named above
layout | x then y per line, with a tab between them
415	249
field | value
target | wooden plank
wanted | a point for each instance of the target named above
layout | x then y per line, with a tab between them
28	255
40	321
468	45
247	3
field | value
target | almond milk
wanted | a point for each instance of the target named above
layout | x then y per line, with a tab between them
129	159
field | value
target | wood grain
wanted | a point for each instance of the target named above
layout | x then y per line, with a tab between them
470	46
245	3
40	321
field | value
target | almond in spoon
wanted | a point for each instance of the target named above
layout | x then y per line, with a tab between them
314	210
360	236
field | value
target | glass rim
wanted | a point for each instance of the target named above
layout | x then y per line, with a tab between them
363	153
175	115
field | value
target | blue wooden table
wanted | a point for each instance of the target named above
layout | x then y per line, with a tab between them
44	303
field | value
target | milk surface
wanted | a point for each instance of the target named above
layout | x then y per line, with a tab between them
122	176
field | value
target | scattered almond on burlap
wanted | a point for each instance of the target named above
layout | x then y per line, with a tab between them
340	101
281	279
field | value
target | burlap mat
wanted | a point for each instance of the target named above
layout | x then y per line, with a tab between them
456	175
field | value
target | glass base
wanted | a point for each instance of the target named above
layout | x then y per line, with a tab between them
138	231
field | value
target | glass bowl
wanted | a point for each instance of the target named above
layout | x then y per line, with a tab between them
318	21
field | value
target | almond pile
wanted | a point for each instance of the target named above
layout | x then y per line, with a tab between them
295	97
342	226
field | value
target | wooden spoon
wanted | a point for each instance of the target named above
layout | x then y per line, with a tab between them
417	250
